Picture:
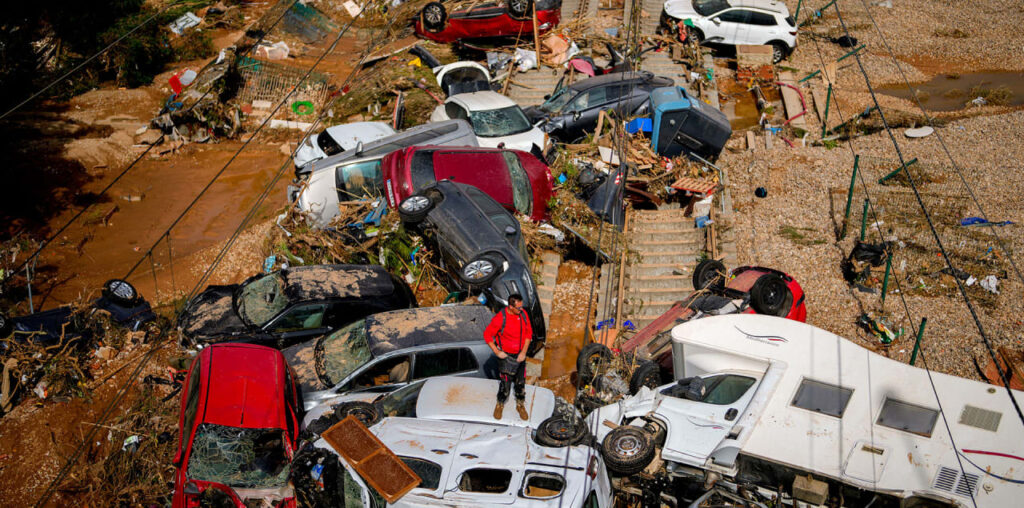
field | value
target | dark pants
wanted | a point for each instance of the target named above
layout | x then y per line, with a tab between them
507	379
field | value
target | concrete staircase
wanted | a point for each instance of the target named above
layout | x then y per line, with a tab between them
665	247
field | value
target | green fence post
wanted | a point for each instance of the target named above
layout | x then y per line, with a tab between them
897	171
796	17
809	76
885	280
849	196
917	343
824	119
851	53
864	220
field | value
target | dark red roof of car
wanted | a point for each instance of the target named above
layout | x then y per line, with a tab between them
245	386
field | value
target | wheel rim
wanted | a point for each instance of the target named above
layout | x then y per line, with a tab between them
479	269
773	296
627	446
121	289
778	53
415	204
365	416
518	6
433	15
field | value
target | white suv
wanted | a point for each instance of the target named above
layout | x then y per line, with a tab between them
734	22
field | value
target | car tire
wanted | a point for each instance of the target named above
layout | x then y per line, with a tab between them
648	374
779	52
366	413
560	431
479	271
434	16
120	292
769	295
413	209
694	34
709	272
520	10
589	358
627	450
6	326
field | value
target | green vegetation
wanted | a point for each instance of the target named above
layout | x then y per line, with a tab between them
998	96
797	236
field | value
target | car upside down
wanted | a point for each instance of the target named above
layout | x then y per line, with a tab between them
491	19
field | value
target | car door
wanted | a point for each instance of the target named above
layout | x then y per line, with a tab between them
584	110
381	375
762	28
731	25
301	322
458	361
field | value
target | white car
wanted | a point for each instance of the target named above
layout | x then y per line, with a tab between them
471	464
734	22
337	139
497	121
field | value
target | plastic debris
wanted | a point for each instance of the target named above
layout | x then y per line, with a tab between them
268	264
553	232
978	221
131	444
879	328
525	59
186	21
991	284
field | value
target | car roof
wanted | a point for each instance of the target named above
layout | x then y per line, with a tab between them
406	328
245	386
429	133
767	5
615	77
472	400
316	282
482	101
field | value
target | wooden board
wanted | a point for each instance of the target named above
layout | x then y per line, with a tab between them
376	464
751	140
753	56
791	100
819	103
695	185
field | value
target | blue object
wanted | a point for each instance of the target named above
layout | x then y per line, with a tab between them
316	472
638	125
378	213
978	221
562	178
412	255
628	325
482	299
613	32
684	125
606	322
701	221
268	264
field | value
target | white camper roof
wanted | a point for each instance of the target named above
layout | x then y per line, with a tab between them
864	445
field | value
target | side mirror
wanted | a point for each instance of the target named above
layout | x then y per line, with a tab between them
576	116
359	147
510	230
716	20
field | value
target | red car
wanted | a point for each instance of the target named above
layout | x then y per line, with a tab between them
239	427
510	18
514	178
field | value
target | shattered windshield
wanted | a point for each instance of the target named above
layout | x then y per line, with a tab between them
499	122
709	7
339	354
522	195
401	402
240	458
556	101
327	144
262	299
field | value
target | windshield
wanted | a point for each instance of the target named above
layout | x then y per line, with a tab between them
709	7
262	299
327	144
359	180
339	354
522	195
499	122
240	458
401	402
556	101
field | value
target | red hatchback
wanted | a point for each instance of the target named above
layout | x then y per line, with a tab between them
514	178
239	427
508	18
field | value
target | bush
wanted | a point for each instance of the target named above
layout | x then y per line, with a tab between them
193	45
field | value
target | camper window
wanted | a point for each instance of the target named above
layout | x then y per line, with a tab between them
908	417
822	398
726	389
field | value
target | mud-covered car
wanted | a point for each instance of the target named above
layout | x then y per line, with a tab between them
480	245
291	305
386	351
452	21
238	428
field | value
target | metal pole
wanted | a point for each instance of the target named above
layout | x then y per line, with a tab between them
885	280
28	279
917	343
849	195
897	171
828	102
796	17
851	53
864	220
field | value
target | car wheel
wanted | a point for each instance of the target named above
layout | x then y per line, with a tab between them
591	357
627	450
769	295
694	34
709	272
520	9
120	292
646	374
479	271
413	209
561	431
434	16
6	326
366	413
779	51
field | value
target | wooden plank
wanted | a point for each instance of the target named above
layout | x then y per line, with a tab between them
791	100
748	55
751	140
819	103
376	464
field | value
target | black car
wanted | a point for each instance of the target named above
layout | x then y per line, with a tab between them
572	111
119	299
291	305
480	245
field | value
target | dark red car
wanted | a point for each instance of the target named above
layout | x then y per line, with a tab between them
514	178
507	18
239	427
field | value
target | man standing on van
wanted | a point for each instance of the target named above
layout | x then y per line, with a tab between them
509	335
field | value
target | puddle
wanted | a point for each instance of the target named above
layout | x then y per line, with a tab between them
741	111
950	92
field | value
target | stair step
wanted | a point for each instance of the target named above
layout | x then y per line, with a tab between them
681	258
682	225
660	269
669	247
661	237
673	282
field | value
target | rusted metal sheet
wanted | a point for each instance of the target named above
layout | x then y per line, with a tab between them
376	464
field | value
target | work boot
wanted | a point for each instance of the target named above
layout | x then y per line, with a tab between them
521	407
498	408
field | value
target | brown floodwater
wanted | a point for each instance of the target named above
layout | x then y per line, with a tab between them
951	92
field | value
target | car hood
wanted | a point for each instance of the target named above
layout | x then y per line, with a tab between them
211	315
308	152
524	141
680	9
534	114
302	359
